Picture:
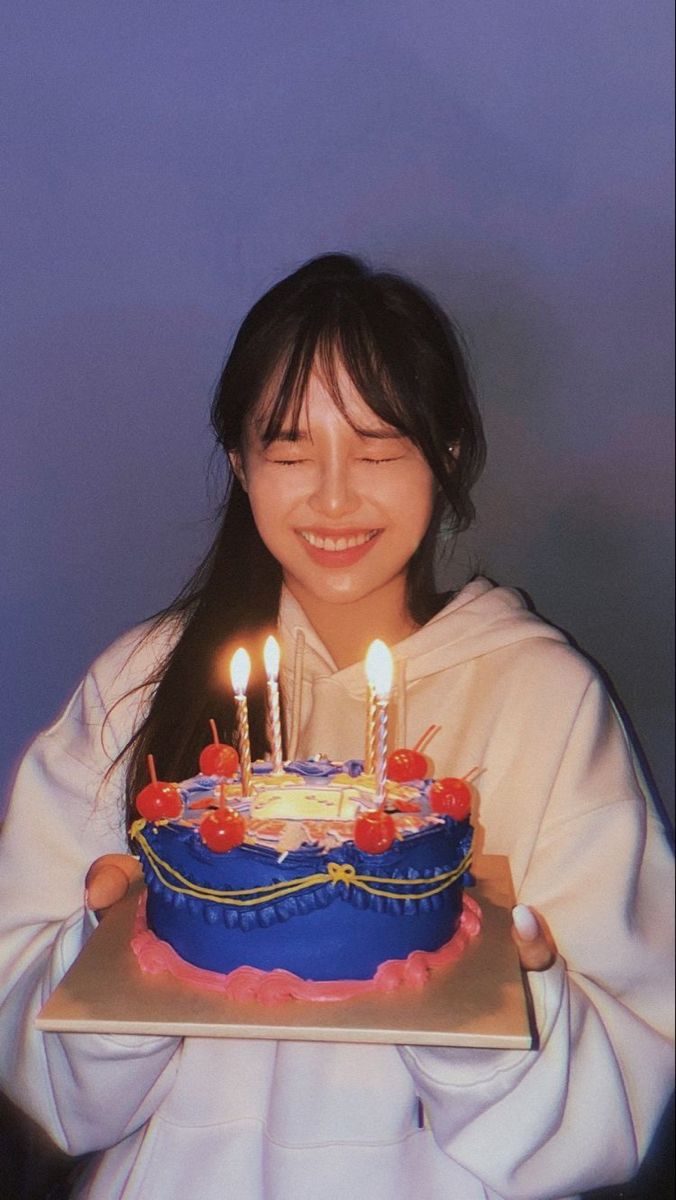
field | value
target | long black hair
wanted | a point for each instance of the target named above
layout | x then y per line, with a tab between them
405	359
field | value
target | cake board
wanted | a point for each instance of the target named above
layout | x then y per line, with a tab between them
480	1001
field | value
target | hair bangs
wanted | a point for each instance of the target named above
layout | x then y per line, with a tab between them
335	337
283	399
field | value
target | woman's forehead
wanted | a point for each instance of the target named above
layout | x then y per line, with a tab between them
322	398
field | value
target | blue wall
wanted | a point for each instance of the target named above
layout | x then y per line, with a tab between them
166	162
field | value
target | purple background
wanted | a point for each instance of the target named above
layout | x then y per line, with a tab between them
164	163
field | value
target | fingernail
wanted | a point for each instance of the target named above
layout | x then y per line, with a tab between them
525	923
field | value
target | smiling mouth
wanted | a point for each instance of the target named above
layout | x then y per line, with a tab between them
337	544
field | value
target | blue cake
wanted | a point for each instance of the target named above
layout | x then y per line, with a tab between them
298	894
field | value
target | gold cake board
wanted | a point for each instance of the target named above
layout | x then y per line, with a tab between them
481	1000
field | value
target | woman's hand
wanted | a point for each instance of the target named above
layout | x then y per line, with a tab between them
533	939
108	880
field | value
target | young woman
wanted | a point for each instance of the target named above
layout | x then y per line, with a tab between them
347	414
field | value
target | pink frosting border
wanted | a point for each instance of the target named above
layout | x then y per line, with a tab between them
272	987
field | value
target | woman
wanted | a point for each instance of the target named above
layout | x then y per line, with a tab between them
347	414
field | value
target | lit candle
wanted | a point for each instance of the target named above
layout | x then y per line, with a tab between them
240	669
379	670
271	659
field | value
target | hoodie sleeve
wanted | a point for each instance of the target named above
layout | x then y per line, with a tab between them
579	1111
87	1091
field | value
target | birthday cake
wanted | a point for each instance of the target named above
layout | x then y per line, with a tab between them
307	885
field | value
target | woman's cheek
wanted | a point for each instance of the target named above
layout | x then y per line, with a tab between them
273	504
273	491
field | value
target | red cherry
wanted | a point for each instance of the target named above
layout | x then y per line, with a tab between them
222	829
159	801
403	765
219	759
452	797
374	832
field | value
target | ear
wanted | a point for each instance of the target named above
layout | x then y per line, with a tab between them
454	450
237	464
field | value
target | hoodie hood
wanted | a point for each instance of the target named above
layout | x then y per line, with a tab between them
479	620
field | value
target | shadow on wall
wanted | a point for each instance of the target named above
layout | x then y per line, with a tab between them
623	623
576	507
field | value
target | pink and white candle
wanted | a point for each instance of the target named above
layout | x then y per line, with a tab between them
271	659
379	672
371	726
240	669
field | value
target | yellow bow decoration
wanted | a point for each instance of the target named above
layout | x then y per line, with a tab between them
341	872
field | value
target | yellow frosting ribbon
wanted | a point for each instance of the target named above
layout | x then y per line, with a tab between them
267	893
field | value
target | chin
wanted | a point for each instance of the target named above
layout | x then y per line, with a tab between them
341	591
329	595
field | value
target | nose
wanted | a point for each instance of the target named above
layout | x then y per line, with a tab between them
334	493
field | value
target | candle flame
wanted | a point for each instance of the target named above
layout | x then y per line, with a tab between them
271	658
240	669
379	669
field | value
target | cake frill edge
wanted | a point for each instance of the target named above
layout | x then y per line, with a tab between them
244	983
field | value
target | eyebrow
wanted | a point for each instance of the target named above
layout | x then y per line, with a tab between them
381	435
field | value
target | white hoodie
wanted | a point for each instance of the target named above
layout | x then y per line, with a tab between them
560	794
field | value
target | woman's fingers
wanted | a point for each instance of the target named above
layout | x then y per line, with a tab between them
534	942
108	880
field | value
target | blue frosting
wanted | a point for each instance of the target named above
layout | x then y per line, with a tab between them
330	929
354	767
317	768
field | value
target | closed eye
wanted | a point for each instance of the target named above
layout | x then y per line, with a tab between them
380	461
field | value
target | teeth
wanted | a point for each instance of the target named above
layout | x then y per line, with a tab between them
342	543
